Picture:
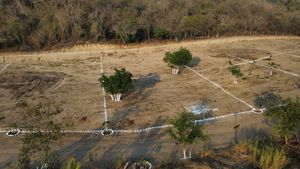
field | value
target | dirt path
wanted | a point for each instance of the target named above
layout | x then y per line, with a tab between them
86	51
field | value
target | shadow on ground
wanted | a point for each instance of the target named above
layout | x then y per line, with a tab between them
146	145
79	149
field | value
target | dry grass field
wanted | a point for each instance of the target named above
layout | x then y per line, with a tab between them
70	77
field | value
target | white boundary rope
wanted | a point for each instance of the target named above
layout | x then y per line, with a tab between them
279	70
269	67
100	131
248	61
218	86
103	91
6	66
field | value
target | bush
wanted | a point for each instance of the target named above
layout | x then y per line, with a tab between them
72	164
285	118
161	33
235	71
115	85
178	59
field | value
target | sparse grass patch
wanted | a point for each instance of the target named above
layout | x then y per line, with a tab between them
264	154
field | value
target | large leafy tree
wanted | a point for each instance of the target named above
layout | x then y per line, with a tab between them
285	118
117	84
177	60
185	131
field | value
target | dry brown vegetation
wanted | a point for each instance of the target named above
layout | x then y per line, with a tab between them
30	24
71	78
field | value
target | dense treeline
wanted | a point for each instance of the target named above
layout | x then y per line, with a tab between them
36	24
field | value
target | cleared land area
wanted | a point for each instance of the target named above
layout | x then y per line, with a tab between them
70	76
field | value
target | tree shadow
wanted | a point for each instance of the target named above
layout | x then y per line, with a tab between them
121	119
146	81
142	83
143	147
79	149
194	62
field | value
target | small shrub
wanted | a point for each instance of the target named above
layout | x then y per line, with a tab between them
177	60
72	164
161	33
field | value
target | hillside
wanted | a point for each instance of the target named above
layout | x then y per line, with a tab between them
30	24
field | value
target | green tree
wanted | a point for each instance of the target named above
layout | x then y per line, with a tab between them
177	60
161	33
235	71
72	164
37	144
185	131
285	118
126	30
117	84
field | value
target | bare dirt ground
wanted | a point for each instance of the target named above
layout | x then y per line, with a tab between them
70	76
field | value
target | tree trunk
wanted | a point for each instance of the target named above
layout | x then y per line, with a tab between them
148	33
190	155
116	97
175	71
184	154
235	80
286	139
297	138
270	73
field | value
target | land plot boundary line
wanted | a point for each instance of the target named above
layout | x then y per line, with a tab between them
269	67
103	92
5	67
218	86
205	121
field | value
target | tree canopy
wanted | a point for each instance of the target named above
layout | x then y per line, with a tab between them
31	24
285	118
120	82
185	131
179	58
235	70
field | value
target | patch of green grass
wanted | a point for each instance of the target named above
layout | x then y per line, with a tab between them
264	154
